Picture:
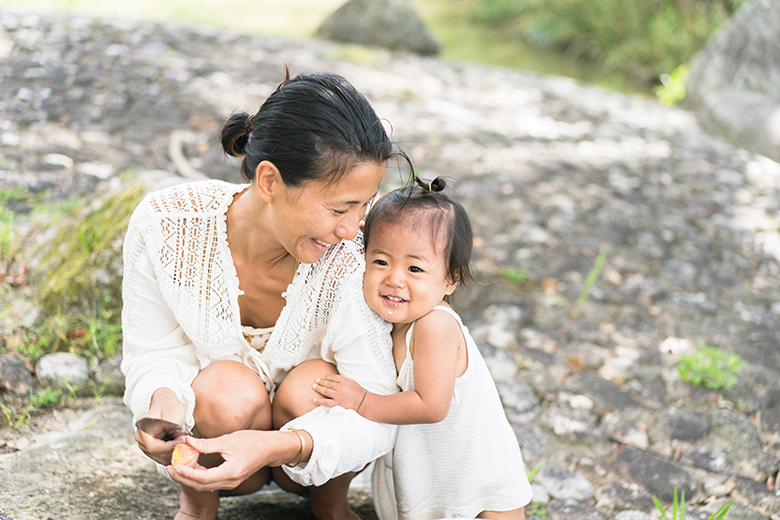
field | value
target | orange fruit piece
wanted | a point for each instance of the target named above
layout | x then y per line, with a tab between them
184	455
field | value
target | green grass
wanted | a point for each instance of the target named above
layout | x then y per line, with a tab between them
711	367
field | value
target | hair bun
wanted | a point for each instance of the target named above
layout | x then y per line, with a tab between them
436	185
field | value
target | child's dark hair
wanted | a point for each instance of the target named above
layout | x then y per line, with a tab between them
313	127
426	200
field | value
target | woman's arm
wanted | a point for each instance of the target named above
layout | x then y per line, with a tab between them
435	342
156	352
358	343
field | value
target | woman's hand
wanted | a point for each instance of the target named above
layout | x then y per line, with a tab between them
166	406
244	453
338	390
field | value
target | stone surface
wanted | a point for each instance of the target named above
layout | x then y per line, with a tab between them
386	23
605	394
520	403
658	476
15	376
733	83
62	368
632	515
621	495
568	509
563	483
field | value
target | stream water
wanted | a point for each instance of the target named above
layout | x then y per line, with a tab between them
464	39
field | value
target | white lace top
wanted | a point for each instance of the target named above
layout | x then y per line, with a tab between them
181	313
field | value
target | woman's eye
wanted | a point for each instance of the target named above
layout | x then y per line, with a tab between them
415	269
340	211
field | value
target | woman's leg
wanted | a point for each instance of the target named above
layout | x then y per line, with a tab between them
228	397
294	398
515	514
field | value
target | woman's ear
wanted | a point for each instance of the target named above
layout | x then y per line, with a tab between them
267	180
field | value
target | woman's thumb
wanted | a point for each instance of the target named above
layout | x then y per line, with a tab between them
202	445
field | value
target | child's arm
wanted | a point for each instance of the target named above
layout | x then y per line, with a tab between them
435	342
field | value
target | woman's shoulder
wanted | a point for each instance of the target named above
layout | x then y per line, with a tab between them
202	197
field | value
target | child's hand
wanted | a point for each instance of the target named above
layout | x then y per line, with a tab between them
338	390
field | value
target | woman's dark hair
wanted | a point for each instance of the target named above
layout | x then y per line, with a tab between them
425	200
313	127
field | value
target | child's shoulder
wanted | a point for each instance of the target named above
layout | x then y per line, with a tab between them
443	323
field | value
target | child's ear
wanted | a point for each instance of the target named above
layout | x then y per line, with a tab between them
450	288
267	180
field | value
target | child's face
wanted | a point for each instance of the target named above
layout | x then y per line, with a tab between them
405	274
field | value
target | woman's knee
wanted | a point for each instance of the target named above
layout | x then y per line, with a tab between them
229	397
295	395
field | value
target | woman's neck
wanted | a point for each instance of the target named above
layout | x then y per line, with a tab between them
248	232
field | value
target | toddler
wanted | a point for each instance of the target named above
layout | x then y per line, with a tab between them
456	454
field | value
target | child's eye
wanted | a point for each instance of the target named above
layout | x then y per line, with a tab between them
380	262
415	269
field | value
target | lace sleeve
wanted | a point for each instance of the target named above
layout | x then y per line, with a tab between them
156	351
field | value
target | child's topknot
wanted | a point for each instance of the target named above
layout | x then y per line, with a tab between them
423	202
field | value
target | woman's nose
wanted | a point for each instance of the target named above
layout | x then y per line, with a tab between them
348	227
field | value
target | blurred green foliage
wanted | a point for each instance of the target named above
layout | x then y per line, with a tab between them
641	39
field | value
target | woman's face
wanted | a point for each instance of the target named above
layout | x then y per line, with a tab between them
318	215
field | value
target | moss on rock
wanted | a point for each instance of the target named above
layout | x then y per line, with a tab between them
84	262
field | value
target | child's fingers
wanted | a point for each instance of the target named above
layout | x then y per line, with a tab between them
330	403
323	390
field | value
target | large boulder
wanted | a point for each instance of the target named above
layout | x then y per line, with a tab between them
734	82
393	24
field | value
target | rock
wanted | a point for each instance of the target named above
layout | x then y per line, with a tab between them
679	424
770	428
572	417
62	368
632	515
520	403
738	439
540	494
393	24
707	459
713	487
109	376
737	511
568	509
733	82
605	394
533	443
621	495
658	476
756	495
652	394
14	375
562	483
624	430
500	363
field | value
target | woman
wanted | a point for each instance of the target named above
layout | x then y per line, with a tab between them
238	296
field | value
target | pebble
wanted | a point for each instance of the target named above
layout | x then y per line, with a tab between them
60	369
564	483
